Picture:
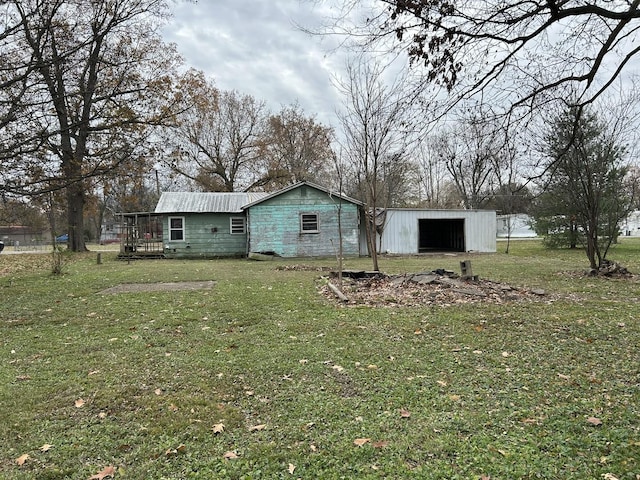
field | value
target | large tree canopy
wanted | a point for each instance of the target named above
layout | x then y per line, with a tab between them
531	48
83	80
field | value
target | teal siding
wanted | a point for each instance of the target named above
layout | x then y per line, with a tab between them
274	224
205	235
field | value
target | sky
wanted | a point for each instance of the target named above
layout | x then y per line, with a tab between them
257	48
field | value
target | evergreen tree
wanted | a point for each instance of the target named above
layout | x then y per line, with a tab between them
584	197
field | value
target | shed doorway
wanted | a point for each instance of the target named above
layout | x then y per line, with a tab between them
441	235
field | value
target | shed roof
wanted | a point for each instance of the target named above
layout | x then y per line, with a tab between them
206	202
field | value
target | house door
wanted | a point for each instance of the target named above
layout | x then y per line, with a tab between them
441	235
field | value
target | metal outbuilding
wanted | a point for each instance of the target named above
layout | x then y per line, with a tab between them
413	231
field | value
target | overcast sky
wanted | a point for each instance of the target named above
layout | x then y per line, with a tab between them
255	47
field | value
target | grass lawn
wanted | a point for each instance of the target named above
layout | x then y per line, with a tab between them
260	377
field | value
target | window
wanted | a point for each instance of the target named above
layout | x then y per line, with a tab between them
176	228
309	223
237	225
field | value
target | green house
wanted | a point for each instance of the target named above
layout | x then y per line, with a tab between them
297	221
302	221
204	225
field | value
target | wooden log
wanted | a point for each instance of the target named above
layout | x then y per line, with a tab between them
337	292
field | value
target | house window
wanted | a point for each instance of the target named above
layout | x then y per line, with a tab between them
237	225
176	228
309	223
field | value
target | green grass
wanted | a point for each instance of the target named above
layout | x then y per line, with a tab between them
504	391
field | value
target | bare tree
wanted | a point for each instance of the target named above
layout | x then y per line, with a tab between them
376	127
91	76
432	173
467	150
219	135
531	50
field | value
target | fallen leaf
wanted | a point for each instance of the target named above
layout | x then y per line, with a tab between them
22	378
609	476
338	368
230	455
506	354
594	421
380	444
454	398
218	428
417	332
173	408
79	403
102	415
442	383
157	391
94	372
46	447
405	413
107	472
361	441
181	449
292	468
21	459
563	377
257	428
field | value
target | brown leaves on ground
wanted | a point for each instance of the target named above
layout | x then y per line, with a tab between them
361	441
218	428
22	459
594	421
429	288
109	471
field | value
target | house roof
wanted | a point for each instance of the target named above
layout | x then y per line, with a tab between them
297	185
205	202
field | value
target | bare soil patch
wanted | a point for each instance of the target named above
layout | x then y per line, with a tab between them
159	287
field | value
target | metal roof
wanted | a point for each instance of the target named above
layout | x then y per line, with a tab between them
206	202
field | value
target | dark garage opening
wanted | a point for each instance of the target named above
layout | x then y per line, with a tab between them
441	235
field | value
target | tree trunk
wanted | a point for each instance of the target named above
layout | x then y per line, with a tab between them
75	217
371	240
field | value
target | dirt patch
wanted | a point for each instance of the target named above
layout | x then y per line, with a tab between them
159	287
440	288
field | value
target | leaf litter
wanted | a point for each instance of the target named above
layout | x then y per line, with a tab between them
439	287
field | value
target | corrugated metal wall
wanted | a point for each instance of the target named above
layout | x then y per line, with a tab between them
402	233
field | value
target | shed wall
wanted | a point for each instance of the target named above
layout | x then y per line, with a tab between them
274	225
401	232
205	235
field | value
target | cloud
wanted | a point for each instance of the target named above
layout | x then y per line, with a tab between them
256	47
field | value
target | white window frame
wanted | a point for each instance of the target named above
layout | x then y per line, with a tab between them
237	229
305	222
181	229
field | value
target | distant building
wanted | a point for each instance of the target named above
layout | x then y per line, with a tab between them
23	235
630	226
517	225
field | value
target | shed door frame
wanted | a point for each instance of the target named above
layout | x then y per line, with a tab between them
441	234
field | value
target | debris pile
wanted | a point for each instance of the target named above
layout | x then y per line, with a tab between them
437	287
611	269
